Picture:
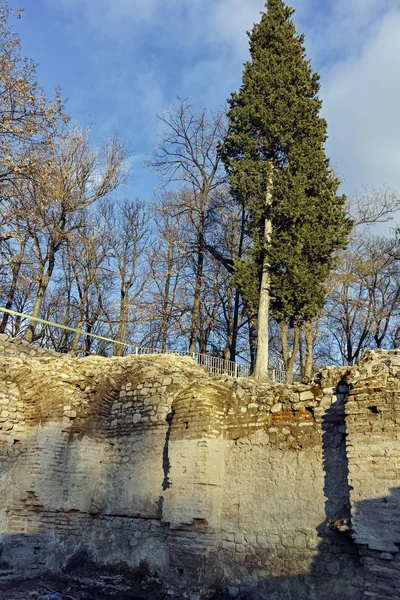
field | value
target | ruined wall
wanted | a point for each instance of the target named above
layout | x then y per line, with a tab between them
288	481
18	348
259	486
214	482
373	450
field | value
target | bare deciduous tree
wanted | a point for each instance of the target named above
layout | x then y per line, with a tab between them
28	121
79	175
127	228
364	302
373	206
168	266
187	153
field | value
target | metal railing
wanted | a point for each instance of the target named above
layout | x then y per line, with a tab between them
213	364
278	376
221	366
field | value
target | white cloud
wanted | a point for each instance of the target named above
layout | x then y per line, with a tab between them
230	19
186	21
353	43
361	106
346	28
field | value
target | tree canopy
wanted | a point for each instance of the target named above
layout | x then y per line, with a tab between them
276	140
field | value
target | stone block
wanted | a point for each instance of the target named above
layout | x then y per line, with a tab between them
307	395
228	545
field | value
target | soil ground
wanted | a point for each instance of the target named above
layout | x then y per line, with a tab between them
87	582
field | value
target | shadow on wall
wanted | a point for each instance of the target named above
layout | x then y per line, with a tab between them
376	525
68	482
336	572
40	532
356	558
372	570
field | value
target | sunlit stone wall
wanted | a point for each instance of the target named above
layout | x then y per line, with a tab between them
213	482
373	450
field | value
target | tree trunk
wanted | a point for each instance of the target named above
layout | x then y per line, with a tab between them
123	324
91	321
308	367
194	326
79	326
64	345
261	369
289	358
301	356
235	326
76	336
88	339
283	331
165	319
17	325
203	341
237	292
11	293
230	325
252	339
83	296
43	285
124	302
229	317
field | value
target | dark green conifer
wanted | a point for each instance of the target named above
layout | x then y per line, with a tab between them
276	163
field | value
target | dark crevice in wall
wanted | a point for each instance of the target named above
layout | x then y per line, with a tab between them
165	459
165	463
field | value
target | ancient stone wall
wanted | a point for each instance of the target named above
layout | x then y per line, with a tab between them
15	347
213	482
373	450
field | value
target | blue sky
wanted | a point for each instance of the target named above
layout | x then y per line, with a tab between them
120	62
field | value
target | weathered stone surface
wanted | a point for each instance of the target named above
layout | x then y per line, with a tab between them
149	458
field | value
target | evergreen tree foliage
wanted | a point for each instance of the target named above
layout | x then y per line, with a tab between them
274	121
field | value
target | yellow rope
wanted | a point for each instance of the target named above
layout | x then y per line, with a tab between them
80	331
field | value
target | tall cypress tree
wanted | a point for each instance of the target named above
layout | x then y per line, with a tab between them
275	159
